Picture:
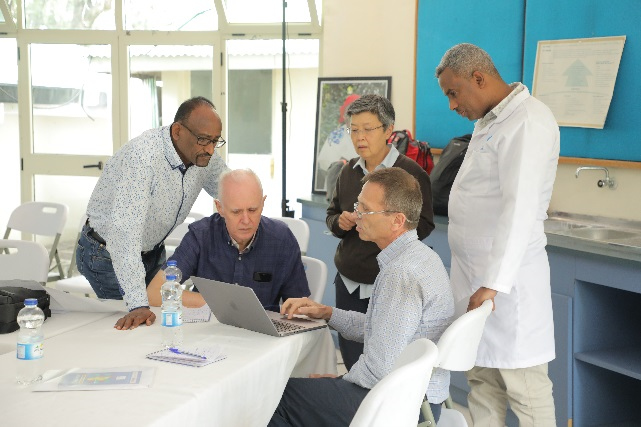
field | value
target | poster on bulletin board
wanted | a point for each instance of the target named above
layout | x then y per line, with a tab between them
575	78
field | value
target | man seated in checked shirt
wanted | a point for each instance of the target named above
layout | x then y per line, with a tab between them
239	245
411	299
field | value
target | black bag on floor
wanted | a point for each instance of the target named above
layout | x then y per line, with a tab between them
12	298
444	172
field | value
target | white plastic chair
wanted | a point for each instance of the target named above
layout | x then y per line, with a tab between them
29	261
41	219
458	346
451	418
396	399
175	237
300	229
316	272
76	284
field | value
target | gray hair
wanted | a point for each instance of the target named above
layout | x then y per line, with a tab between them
374	104
237	175
464	59
401	193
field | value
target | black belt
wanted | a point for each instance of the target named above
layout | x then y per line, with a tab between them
94	235
91	232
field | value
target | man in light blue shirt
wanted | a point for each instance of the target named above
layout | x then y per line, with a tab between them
411	299
147	188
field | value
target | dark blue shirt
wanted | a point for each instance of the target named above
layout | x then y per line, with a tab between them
271	266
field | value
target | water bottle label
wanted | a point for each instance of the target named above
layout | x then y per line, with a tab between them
30	351
172	318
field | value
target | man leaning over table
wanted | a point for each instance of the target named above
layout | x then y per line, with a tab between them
239	245
147	189
411	299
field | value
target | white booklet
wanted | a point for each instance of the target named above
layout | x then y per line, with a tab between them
194	315
118	378
192	356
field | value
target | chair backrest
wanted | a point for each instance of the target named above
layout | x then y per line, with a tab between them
459	344
300	229
316	272
396	399
451	418
41	218
30	262
179	232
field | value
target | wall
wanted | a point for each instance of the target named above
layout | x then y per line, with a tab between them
366	38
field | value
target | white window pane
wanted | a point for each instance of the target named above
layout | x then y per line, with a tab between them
170	15
265	11
69	14
71	99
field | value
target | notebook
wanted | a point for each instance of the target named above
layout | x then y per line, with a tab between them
239	306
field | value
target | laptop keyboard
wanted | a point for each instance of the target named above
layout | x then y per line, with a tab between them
286	326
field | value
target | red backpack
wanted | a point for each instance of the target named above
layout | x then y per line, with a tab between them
419	151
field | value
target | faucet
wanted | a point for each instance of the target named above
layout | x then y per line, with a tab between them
609	182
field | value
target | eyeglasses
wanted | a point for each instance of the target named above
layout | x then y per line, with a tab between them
365	131
360	214
204	141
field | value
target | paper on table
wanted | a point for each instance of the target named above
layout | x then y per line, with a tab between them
118	378
193	315
211	353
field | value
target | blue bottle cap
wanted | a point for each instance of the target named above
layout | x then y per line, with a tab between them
172	263
30	301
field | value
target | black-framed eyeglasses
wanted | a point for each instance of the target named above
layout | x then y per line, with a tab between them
204	141
365	131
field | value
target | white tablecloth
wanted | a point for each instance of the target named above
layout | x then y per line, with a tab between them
242	390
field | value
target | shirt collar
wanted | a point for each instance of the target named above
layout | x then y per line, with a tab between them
394	249
496	111
234	243
387	162
170	151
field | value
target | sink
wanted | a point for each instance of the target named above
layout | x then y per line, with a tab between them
555	226
601	233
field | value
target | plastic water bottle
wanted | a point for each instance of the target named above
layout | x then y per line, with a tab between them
173	270
172	312
30	347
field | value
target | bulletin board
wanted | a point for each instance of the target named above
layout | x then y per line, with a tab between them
509	31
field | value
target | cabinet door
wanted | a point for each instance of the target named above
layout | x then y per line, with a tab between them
322	245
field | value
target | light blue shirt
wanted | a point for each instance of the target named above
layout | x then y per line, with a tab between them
365	289
141	196
411	299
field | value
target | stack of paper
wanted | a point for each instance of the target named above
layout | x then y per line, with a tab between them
191	356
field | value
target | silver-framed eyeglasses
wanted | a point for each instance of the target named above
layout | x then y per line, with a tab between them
364	131
204	141
360	214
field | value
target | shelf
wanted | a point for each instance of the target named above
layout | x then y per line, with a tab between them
625	361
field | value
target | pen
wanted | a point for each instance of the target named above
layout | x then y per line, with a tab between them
186	353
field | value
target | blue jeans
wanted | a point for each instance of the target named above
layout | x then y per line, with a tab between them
94	262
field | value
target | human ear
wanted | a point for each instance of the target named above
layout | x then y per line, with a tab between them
479	79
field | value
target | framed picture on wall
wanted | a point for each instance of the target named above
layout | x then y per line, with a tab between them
332	142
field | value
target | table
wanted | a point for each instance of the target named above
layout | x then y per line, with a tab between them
242	390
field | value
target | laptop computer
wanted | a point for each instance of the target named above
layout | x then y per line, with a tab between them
239	306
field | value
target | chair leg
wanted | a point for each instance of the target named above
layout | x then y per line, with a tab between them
427	414
449	404
62	273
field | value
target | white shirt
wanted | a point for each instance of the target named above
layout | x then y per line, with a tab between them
141	196
497	207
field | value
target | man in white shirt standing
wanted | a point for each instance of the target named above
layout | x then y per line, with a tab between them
497	206
147	189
